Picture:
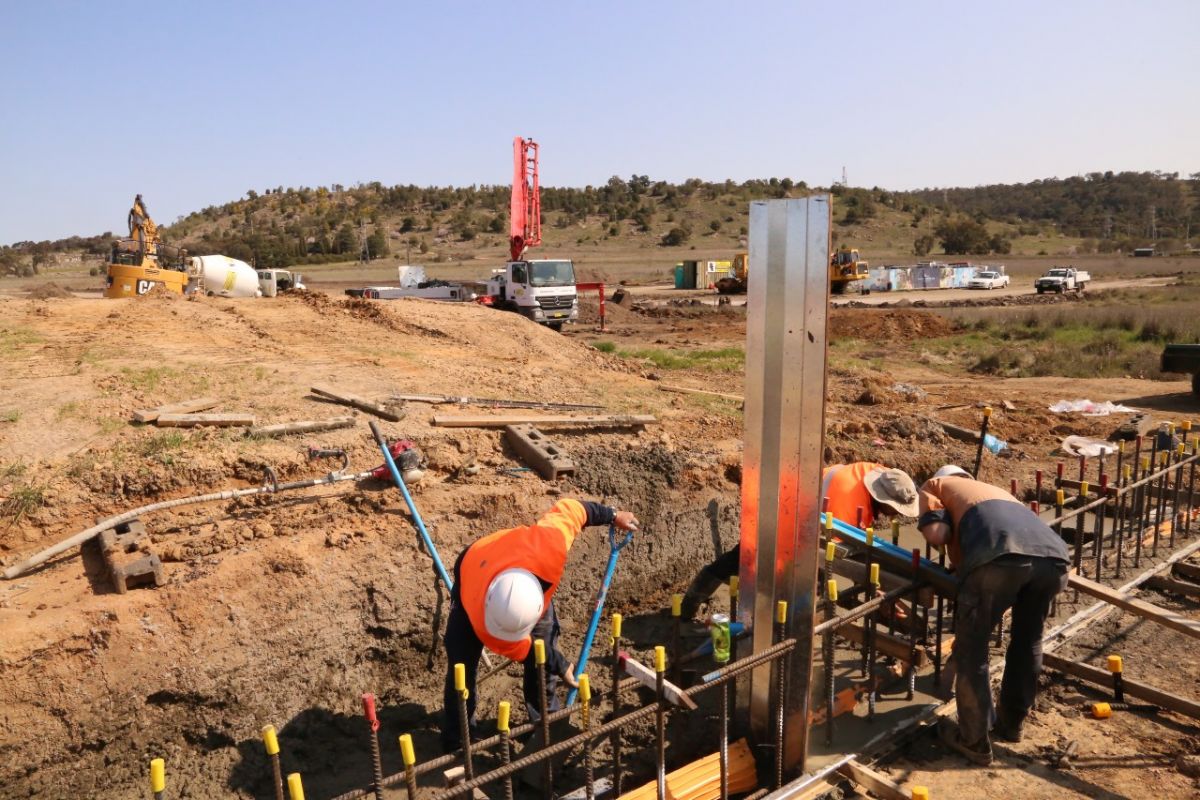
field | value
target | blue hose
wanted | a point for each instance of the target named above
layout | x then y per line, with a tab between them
614	548
412	508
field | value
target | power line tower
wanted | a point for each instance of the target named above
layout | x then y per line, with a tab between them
1153	222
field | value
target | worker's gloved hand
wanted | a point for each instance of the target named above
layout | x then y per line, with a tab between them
626	521
568	676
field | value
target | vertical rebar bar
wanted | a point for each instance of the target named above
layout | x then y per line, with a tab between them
1082	468
780	689
1176	475
271	743
1119	523
1058	475
1191	496
1160	502
616	703
676	621
158	778
723	748
1139	528
503	713
912	642
585	714
368	701
660	721
983	429
937	643
1037	485
409	757
870	560
1098	536
1077	557
464	722
869	638
539	659
831	592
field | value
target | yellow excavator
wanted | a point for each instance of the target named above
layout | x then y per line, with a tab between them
142	261
845	267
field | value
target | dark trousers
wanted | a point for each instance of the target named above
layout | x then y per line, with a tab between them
463	646
1027	585
726	565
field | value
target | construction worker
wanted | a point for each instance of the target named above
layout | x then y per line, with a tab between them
861	487
503	593
1005	557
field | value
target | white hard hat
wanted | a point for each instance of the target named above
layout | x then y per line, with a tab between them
951	469
513	604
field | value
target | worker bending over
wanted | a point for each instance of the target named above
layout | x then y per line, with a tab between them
502	598
1005	557
877	490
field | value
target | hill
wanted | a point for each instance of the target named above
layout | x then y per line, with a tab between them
641	220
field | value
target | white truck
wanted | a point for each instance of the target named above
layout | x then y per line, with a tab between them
542	290
1061	280
273	281
988	279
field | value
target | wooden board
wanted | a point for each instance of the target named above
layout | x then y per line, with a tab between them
590	421
204	420
185	407
1186	570
354	401
286	428
1182	588
1102	677
1141	608
876	783
885	643
664	387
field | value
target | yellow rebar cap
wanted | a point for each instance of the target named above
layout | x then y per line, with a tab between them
585	688
781	611
920	793
539	651
295	787
616	626
660	658
502	714
407	754
831	588
1115	664
875	575
676	605
270	741
158	775
1101	710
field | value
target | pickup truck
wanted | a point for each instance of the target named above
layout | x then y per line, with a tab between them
1183	358
988	280
1062	279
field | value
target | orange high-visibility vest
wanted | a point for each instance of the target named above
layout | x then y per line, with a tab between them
843	485
540	548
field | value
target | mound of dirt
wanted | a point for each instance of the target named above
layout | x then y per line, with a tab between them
48	291
885	326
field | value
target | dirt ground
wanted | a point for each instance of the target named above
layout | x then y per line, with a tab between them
284	610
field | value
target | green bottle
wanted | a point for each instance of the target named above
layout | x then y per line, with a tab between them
719	630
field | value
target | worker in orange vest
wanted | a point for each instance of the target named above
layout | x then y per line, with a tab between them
502	599
861	487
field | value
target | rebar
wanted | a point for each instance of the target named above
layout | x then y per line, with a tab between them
860	611
368	701
676	621
912	644
1176	476
1098	530
1187	522
544	707
660	723
409	757
1159	508
585	714
869	637
866	655
983	429
502	716
616	703
827	652
1077	556
1119	523
780	683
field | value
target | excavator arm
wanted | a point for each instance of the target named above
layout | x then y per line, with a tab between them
142	229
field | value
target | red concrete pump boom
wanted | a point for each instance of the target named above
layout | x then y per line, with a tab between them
525	208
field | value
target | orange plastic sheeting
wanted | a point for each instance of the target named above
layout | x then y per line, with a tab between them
701	780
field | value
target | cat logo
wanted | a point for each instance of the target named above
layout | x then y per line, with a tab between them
144	286
230	277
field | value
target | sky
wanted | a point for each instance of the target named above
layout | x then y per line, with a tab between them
192	104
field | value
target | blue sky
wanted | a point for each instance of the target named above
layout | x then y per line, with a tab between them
192	104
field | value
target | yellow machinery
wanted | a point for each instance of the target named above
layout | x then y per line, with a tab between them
143	261
845	267
735	282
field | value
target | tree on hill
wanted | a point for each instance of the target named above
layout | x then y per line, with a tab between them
677	236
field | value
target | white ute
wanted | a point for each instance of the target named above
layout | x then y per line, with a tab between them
1062	279
988	279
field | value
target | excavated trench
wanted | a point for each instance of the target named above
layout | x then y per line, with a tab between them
285	610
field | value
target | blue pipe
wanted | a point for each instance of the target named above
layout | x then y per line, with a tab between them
412	508
613	550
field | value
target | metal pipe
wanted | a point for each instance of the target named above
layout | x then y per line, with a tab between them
983	429
912	643
869	636
614	550
1098	530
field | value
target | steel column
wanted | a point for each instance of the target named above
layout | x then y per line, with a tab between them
787	307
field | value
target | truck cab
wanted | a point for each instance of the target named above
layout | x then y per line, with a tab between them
274	281
542	290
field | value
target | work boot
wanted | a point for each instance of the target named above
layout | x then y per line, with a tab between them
951	736
701	590
1006	730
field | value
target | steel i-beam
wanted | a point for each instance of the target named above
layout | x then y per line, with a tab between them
787	310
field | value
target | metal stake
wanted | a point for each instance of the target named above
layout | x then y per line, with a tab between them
912	645
866	648
1098	535
585	696
1121	520
983	429
676	618
869	637
1176	477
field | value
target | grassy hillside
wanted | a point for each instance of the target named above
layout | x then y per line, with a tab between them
639	222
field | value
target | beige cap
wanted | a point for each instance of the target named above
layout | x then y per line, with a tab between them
893	487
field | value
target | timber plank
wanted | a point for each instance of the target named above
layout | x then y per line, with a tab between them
1102	677
234	420
184	407
285	428
589	421
354	401
1141	608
